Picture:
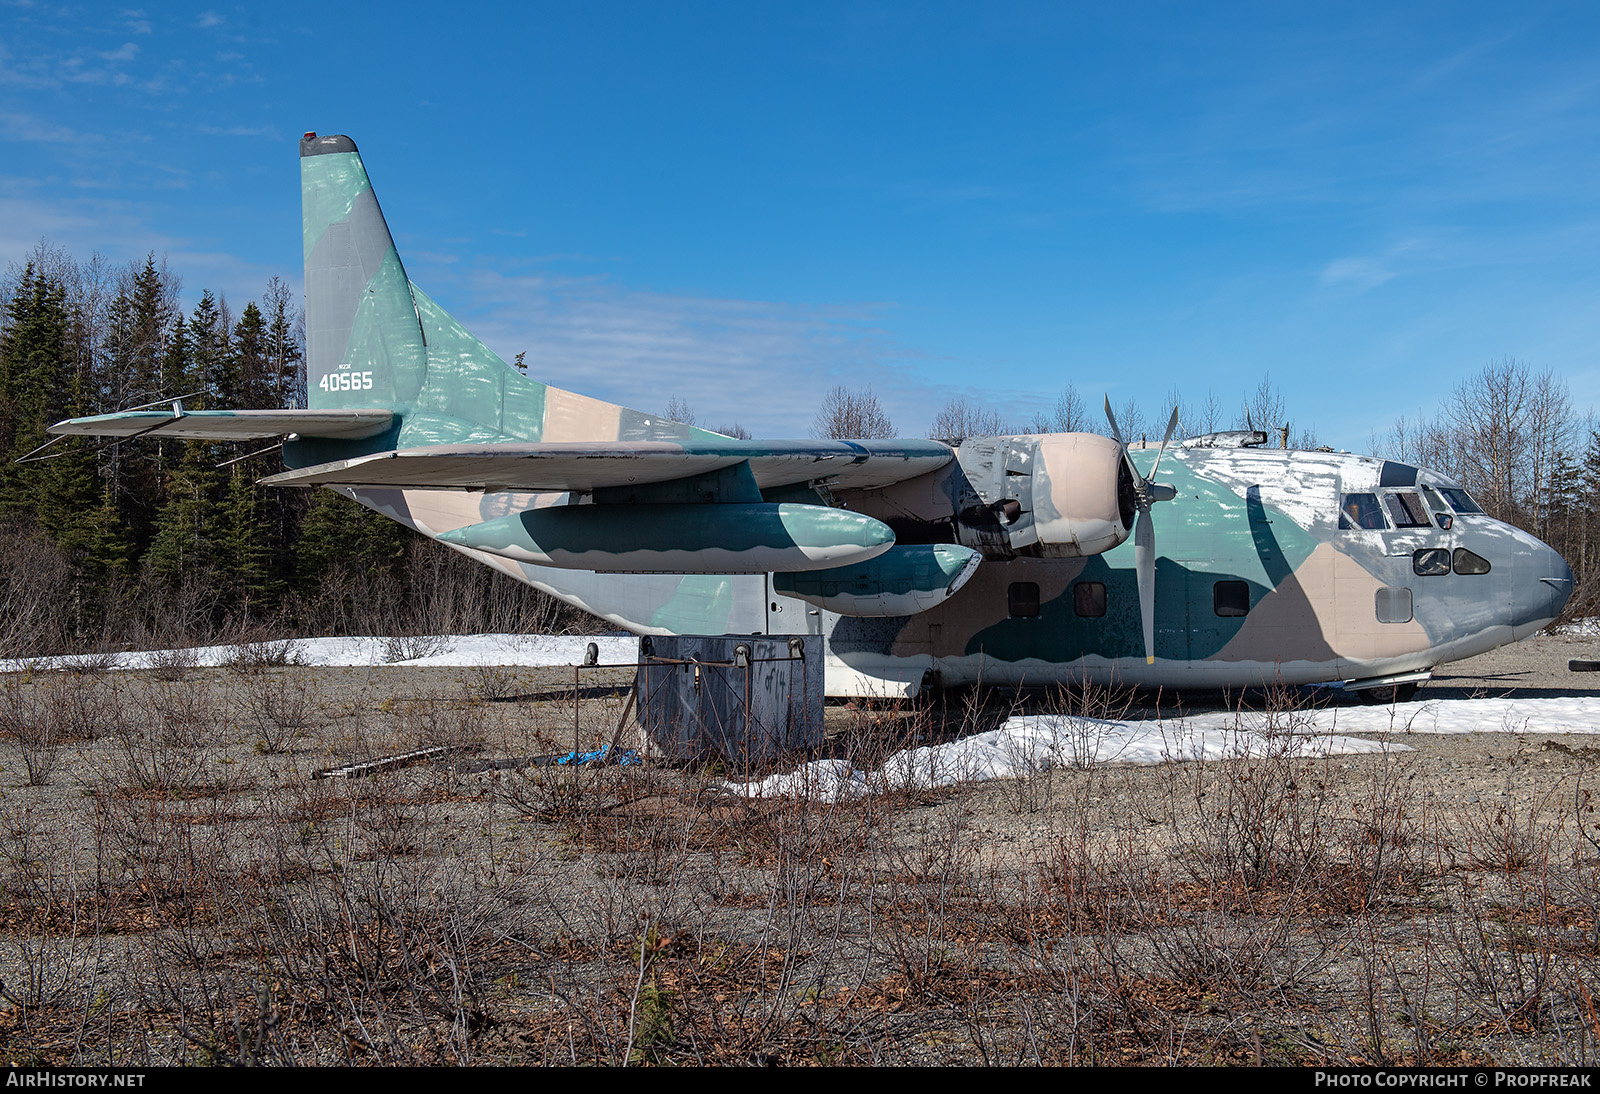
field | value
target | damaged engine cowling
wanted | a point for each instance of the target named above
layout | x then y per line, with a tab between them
1047	495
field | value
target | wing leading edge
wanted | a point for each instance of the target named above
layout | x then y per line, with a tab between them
584	466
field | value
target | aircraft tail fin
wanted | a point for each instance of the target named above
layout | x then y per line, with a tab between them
364	340
375	341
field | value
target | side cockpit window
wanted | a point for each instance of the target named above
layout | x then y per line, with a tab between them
1441	512
1362	511
1406	510
1466	562
1460	500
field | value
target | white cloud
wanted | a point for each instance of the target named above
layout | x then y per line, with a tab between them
1363	273
121	232
240	131
1369	271
209	19
26	127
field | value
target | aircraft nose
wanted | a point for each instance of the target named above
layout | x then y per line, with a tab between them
1543	584
1558	581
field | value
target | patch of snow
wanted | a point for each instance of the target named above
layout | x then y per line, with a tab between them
1027	745
439	651
1030	744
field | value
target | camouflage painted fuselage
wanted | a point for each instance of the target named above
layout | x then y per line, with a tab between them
1267	519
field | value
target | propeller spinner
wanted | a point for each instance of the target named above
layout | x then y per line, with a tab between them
1146	493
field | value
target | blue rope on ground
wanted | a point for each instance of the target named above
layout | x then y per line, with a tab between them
625	758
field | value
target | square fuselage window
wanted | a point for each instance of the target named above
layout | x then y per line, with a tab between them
1089	599
1230	599
1394	605
1022	599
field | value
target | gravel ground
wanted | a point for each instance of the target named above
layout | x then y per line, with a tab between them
177	887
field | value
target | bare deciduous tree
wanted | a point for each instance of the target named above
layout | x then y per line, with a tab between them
854	414
1264	410
678	411
961	418
1500	433
1070	415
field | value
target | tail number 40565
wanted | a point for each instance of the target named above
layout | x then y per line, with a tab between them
345	381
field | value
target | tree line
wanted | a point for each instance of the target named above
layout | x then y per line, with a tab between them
858	413
168	541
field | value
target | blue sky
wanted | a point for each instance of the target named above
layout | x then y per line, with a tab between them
743	204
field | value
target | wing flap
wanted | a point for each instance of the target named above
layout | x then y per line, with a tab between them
230	425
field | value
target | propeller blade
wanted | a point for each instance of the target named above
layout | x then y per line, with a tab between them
1116	435
1144	564
1172	425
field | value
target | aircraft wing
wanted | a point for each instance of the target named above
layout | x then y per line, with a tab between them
583	466
230	425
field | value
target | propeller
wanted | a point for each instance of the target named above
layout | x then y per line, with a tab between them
1145	492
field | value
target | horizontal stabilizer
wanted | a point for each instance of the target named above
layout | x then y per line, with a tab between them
584	466
230	425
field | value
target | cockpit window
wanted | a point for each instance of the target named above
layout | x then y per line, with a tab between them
1362	511
1406	510
1460	500
1441	512
1468	563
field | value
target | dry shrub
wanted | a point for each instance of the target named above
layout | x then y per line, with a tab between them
259	649
173	664
280	706
1506	835
35	581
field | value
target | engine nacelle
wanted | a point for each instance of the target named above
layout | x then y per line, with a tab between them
1048	495
681	539
901	581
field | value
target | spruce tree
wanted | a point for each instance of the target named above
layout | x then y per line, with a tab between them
242	554
185	542
254	384
141	322
35	373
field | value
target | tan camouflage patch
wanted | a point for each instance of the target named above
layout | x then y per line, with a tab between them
1293	621
572	417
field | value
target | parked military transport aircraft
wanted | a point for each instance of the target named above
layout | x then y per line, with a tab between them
986	559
